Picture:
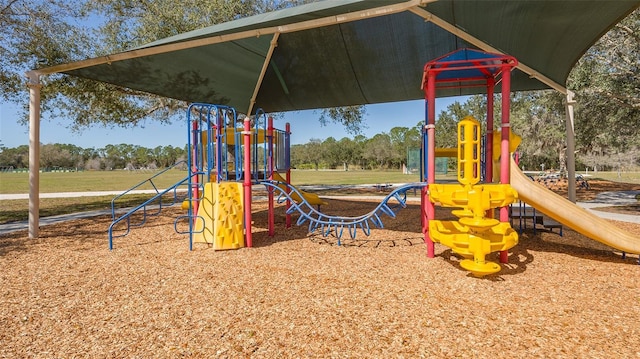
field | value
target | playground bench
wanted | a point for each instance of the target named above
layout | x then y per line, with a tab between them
551	224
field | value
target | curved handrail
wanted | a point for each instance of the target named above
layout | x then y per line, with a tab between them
327	223
143	207
150	180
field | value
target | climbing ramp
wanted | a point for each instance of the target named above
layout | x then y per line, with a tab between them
328	224
220	219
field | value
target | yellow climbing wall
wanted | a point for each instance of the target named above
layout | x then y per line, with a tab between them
220	220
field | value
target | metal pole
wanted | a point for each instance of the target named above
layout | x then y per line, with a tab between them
287	149
488	158
270	169
34	154
247	181
431	160
504	144
571	146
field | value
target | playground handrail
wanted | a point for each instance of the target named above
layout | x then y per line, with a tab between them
158	195
150	180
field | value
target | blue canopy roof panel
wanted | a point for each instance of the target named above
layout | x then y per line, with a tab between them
468	66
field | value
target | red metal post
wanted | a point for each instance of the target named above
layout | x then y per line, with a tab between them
247	182
195	200
431	160
488	146
504	144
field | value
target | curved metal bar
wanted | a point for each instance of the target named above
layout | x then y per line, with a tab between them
143	207
190	218
148	180
336	224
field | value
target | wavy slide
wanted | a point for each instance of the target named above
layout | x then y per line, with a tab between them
570	215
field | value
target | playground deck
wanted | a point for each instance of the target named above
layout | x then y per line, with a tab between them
67	295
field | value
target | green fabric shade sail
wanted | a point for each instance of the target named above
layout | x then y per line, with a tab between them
350	52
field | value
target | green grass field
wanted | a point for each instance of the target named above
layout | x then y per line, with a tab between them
51	182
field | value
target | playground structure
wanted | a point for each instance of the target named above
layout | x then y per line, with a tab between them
476	233
226	160
229	156
470	236
476	68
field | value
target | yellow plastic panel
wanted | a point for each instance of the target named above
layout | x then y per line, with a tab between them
220	219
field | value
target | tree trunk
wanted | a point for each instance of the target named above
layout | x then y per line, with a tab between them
562	159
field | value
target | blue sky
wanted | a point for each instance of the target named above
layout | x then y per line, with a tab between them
304	126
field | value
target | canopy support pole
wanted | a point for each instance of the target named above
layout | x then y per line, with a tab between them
265	65
34	153
571	146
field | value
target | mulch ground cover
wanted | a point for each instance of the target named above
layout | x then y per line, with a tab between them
301	295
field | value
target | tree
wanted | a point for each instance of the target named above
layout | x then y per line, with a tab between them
539	118
378	149
56	155
349	152
311	152
351	117
447	126
297	154
402	139
606	82
42	33
15	157
330	153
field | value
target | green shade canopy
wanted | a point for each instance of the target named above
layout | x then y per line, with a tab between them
351	52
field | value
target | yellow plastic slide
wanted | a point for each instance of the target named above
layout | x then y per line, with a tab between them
312	198
571	215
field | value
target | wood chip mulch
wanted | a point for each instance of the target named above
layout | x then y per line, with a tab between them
299	295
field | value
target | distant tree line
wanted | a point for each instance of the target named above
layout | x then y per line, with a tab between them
537	116
606	138
107	158
382	151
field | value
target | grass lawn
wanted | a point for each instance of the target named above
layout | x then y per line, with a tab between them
18	210
86	181
51	182
626	177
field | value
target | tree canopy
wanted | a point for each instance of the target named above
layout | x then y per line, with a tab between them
41	33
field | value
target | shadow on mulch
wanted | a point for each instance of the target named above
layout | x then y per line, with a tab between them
521	256
79	234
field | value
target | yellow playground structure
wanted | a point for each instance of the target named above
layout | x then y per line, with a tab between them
476	233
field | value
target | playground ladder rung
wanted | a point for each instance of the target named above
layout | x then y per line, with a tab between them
365	228
375	219
387	210
402	201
